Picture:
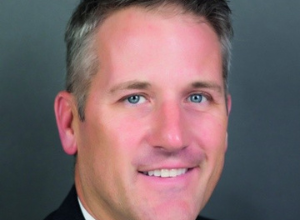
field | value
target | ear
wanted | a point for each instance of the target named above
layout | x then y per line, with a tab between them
228	104
64	108
226	142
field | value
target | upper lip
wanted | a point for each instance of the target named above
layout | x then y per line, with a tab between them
167	167
190	161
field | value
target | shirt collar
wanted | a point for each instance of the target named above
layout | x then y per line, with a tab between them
86	215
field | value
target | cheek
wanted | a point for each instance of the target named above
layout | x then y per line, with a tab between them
105	157
211	134
129	127
96	143
212	139
113	136
121	140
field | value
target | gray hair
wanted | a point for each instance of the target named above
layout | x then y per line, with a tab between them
82	62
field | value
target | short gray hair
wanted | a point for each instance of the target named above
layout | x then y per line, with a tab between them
82	62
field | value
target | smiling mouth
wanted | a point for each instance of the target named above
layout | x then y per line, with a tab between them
166	173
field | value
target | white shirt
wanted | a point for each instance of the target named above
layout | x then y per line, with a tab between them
86	215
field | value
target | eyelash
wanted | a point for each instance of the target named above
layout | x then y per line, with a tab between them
203	96
126	98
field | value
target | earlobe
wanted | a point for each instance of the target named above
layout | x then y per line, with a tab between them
64	113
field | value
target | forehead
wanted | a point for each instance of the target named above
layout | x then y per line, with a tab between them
134	39
134	19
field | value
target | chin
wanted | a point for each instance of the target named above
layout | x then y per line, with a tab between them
172	210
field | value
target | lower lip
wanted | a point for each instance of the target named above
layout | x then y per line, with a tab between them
177	182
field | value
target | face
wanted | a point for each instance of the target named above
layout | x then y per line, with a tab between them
154	137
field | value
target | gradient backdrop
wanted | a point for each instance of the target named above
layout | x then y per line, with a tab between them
261	180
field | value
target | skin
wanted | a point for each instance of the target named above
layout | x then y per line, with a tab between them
157	102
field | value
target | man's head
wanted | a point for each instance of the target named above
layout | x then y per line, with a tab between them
146	107
82	61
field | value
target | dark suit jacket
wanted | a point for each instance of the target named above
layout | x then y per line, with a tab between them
70	210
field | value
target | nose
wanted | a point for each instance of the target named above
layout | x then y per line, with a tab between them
168	128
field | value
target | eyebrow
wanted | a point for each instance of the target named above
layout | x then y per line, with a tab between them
130	85
209	85
145	85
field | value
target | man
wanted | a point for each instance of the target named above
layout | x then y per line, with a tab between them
146	107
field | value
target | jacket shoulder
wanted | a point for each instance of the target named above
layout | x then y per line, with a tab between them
51	216
203	218
69	209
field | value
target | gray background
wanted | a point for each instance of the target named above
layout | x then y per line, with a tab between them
261	180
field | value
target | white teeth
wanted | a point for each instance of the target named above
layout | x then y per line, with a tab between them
150	173
166	173
157	173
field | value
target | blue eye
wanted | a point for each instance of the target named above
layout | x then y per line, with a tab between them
135	99
197	98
